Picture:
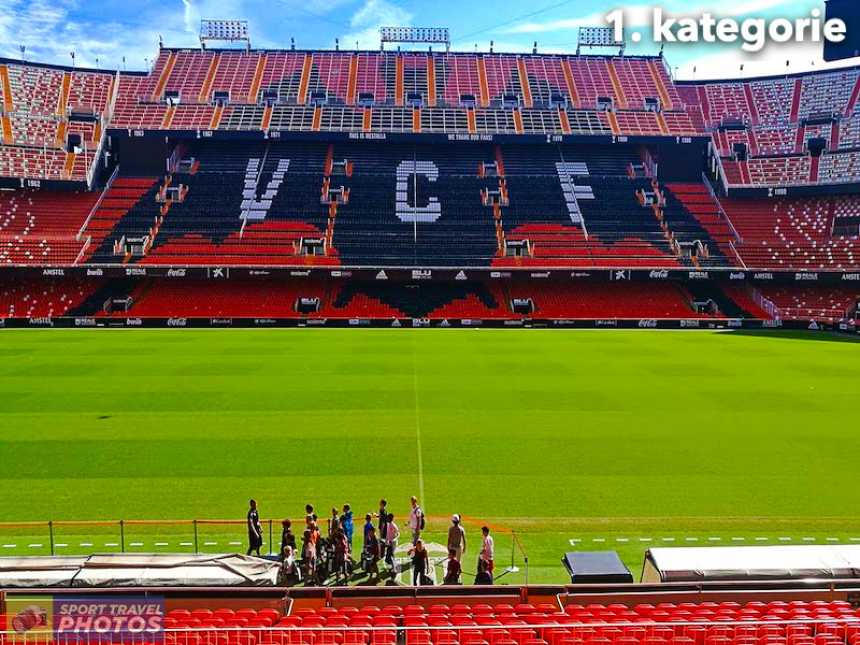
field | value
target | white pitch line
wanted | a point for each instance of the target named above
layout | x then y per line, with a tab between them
761	539
738	539
186	544
832	539
692	539
210	544
785	539
621	540
235	544
645	539
111	544
136	544
61	544
809	539
161	544
571	541
598	540
86	544
9	546
35	546
418	424
857	539
669	539
715	539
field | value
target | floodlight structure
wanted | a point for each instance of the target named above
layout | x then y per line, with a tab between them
230	31
602	37
430	35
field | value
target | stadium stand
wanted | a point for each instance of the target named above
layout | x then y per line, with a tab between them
41	227
42	106
38	298
357	299
562	206
775	118
204	90
502	621
792	233
325	160
824	304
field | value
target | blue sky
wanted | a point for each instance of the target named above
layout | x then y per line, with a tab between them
102	32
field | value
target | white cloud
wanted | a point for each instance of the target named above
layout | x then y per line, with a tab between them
51	29
190	16
366	22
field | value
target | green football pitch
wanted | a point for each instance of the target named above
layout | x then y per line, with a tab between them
608	440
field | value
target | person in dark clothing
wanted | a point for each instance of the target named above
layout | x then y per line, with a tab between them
383	519
371	554
484	577
420	562
453	569
287	537
255	531
368	527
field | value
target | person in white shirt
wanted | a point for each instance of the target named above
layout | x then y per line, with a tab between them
392	534
416	520
487	549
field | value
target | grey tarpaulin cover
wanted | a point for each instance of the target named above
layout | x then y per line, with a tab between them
138	570
690	564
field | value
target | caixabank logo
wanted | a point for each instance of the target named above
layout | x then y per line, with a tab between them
84	619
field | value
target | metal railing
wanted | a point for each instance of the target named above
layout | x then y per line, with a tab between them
76	537
738	238
125	535
98	203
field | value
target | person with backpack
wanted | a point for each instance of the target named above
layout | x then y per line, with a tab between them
416	520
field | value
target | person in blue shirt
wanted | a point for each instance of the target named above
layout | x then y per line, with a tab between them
346	524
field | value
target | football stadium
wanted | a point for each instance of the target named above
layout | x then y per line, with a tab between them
420	342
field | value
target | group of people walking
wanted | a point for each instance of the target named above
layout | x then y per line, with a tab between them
321	556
